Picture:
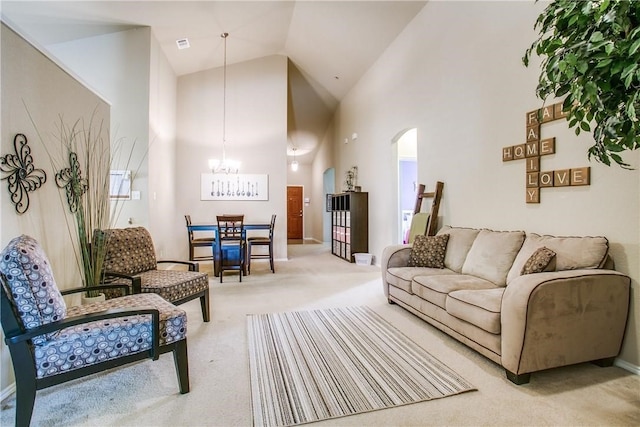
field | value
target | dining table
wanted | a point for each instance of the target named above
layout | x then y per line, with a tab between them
214	227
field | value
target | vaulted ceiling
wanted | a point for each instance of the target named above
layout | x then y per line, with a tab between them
330	44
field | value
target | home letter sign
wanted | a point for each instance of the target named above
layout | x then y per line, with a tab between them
534	148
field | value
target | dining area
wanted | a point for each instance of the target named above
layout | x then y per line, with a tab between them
231	243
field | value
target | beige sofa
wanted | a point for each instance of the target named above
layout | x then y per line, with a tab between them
575	311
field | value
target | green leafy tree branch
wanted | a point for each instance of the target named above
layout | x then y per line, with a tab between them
591	56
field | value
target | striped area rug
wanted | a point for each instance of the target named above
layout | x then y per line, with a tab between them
312	365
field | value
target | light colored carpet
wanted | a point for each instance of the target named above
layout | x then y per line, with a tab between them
319	364
146	394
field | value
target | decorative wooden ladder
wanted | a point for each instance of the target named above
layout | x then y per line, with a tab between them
435	205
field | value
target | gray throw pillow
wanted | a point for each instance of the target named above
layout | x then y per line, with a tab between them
428	251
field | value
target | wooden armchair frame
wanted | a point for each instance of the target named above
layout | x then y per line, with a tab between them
18	339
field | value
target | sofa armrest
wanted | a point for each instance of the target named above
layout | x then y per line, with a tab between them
562	318
393	256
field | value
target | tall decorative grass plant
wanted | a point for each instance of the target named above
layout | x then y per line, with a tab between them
84	179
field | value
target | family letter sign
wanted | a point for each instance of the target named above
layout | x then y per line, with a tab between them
534	148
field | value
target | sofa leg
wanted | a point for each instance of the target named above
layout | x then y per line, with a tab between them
390	302
604	363
518	379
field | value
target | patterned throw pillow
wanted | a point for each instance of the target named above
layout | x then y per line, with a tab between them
541	260
428	251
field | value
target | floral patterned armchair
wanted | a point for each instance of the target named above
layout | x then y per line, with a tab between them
51	343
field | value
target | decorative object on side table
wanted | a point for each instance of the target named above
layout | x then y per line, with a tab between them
351	178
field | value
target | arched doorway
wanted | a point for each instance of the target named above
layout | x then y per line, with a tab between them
407	155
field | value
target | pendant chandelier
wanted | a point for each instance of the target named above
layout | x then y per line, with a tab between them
225	165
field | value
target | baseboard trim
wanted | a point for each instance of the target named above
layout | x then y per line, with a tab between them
634	369
7	391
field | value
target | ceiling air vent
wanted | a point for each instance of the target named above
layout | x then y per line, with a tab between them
183	43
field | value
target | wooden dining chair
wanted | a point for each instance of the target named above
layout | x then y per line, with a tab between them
262	241
198	242
230	244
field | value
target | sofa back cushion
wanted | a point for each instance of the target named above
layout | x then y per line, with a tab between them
460	241
572	253
492	254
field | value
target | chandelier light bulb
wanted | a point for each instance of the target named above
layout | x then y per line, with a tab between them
294	163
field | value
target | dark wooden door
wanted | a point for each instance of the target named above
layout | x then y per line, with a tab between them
294	212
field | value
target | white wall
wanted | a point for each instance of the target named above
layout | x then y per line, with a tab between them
34	85
165	221
117	65
131	70
256	133
323	160
455	73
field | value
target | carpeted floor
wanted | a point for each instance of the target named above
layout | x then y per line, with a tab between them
146	394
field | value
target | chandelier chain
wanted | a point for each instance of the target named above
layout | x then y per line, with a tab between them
226	165
224	98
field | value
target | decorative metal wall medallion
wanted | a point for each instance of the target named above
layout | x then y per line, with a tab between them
23	176
71	180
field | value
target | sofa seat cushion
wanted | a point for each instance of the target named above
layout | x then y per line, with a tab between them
478	307
401	277
492	254
460	241
572	253
436	288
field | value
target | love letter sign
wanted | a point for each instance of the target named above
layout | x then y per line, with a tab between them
534	148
